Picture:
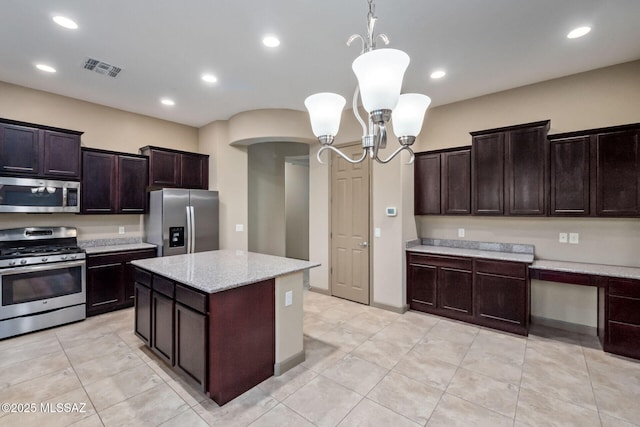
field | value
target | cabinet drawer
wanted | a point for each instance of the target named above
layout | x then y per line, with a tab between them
562	277
143	277
191	299
163	286
623	309
624	288
442	261
623	339
501	268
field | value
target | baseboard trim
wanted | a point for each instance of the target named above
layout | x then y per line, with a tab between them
399	310
280	368
565	326
320	291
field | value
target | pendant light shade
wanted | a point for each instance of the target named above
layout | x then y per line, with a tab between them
409	113
380	74
325	111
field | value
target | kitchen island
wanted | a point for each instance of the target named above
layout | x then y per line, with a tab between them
226	320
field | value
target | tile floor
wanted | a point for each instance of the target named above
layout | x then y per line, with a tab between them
364	367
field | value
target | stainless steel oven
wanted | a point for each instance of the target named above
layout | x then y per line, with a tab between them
38	195
42	280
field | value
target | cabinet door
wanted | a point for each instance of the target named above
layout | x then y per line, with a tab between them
132	184
191	344
162	326
456	182
104	287
422	287
20	150
61	155
501	302
487	170
195	171
617	161
525	168
129	272
143	313
98	182
164	168
427	184
454	291
569	184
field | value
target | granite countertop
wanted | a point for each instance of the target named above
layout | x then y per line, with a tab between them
584	268
473	253
117	248
468	248
216	271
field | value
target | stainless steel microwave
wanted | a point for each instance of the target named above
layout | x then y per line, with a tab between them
34	195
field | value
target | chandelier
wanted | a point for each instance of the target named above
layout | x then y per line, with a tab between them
379	73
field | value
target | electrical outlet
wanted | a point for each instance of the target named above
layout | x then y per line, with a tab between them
574	238
288	298
239	227
121	230
377	232
460	232
562	238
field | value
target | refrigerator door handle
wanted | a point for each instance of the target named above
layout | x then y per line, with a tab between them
193	230
189	229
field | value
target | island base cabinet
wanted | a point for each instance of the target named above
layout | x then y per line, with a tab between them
162	327
143	313
241	339
191	344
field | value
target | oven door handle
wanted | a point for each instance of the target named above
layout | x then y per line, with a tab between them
40	267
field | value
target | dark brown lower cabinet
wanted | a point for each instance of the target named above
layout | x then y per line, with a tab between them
485	292
440	285
162	326
622	335
502	295
142	325
110	279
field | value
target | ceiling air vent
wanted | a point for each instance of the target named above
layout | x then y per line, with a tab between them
101	67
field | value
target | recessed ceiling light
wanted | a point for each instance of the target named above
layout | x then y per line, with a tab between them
271	41
578	32
438	74
65	22
209	78
47	68
167	101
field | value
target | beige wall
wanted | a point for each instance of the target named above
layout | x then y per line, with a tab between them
598	98
267	219
296	205
103	127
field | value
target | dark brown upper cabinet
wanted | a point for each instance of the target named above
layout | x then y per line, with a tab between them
616	156
31	150
596	172
174	168
442	182
569	176
509	167
113	183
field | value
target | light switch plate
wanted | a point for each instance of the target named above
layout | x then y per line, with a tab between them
239	227
288	298
460	232
574	238
121	230
562	238
377	232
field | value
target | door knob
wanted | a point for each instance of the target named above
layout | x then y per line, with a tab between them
363	244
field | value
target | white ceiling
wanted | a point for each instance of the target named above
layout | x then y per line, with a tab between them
163	46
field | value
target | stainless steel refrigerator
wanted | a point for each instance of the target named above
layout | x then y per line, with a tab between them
182	221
